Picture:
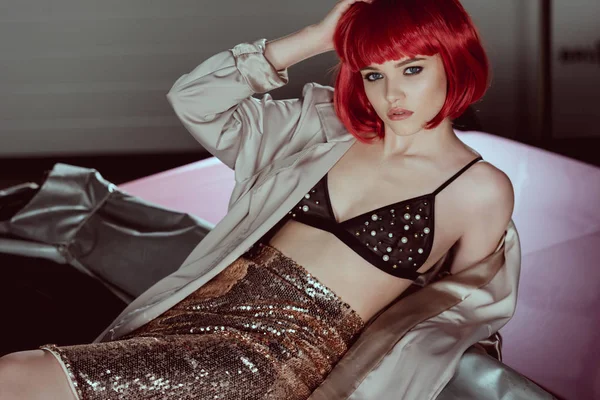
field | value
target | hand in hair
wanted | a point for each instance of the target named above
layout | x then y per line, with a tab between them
327	26
314	39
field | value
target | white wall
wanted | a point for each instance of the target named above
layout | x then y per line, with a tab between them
91	77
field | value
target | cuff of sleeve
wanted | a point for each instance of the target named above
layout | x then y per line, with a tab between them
256	69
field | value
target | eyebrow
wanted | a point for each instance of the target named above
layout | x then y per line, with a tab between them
397	65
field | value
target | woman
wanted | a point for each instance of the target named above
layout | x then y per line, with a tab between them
274	321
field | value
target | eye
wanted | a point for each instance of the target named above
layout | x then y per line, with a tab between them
368	77
419	69
372	77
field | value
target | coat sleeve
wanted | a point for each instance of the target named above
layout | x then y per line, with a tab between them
215	104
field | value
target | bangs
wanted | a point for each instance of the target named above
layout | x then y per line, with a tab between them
374	35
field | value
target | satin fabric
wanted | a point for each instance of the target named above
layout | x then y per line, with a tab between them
481	377
78	217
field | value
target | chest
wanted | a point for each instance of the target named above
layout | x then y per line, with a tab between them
361	187
378	203
357	184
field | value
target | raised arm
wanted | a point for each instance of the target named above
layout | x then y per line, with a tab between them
214	102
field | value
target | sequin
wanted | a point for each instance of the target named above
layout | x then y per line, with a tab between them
264	328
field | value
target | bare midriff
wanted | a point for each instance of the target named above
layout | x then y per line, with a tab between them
364	287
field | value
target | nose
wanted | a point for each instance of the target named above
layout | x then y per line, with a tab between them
394	92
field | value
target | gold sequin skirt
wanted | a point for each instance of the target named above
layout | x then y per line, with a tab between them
264	328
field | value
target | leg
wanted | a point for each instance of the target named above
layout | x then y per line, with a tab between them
33	375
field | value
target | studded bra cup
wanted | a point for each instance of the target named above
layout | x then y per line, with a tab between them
396	238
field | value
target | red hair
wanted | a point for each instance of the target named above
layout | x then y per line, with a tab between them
387	30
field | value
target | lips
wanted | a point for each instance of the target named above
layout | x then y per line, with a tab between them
397	111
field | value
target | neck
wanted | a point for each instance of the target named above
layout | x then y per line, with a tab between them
423	143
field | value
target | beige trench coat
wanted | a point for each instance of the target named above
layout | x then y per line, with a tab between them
279	150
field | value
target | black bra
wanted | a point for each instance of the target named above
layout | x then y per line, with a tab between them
396	238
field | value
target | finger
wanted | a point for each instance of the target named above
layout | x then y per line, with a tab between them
348	3
344	5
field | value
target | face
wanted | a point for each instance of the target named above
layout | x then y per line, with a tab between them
418	85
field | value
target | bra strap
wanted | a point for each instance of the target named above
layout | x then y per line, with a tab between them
449	181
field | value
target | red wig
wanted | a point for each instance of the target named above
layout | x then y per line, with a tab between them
387	30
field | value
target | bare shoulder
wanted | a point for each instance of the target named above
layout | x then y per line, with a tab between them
488	200
488	186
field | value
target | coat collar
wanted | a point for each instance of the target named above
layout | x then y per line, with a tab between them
334	130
